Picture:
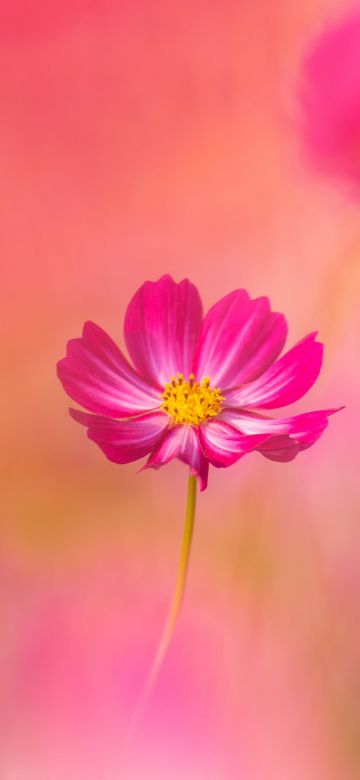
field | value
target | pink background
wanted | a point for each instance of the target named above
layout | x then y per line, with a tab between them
139	138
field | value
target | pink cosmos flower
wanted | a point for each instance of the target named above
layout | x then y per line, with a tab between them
330	97
197	383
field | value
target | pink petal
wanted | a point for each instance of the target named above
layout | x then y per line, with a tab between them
239	339
123	441
285	381
181	441
287	435
162	325
279	448
224	445
96	375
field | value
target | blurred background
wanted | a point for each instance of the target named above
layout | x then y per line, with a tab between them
136	139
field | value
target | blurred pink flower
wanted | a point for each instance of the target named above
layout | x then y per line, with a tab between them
330	97
234	347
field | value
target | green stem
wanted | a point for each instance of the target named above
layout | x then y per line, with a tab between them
179	584
173	612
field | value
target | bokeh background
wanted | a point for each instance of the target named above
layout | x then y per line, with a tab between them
139	138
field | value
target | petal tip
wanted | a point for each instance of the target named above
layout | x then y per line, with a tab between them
79	416
58	368
338	409
89	327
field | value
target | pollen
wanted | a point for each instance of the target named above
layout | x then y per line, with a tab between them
190	403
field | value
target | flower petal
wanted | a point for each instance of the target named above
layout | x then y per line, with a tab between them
279	448
285	381
239	339
161	327
123	441
181	441
287	435
224	445
96	375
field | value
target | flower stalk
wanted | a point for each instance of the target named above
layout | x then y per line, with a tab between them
174	611
180	584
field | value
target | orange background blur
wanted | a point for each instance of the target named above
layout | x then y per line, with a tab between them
136	139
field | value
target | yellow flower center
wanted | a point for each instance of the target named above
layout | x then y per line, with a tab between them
189	403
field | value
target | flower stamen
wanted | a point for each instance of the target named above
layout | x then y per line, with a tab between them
190	403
